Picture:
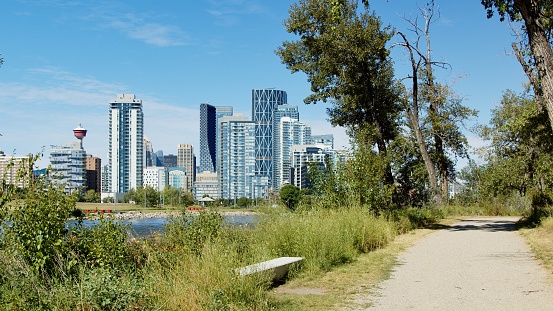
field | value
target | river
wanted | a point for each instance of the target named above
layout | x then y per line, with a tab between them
142	227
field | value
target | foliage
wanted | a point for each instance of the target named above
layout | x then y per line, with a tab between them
244	202
290	195
519	155
190	231
347	63
34	225
91	196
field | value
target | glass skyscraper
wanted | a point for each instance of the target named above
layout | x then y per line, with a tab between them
264	105
208	134
126	143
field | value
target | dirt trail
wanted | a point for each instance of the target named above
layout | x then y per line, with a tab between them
475	264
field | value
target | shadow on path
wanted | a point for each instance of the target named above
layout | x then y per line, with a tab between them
490	225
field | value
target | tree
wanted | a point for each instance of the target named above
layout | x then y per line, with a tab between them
537	18
290	196
438	102
521	146
347	63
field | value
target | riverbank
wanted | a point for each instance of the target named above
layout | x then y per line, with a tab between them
161	214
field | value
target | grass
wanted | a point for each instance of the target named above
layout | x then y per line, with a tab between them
540	240
347	285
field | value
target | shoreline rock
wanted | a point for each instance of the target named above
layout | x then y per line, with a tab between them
165	214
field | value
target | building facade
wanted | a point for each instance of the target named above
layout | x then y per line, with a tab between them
327	140
93	167
68	162
302	156
178	178
206	184
289	132
9	166
186	159
264	105
126	144
156	177
208	134
236	161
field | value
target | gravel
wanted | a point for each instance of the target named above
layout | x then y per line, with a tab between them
475	264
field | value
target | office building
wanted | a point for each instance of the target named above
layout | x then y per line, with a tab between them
149	158
156	177
68	162
169	160
178	178
264	105
93	167
236	161
186	159
126	144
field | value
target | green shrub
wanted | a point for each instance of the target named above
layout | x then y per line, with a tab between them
192	230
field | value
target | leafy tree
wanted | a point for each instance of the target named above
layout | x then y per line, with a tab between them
244	202
538	65
347	63
33	226
290	195
91	196
440	105
521	147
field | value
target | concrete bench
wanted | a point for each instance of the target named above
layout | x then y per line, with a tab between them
279	266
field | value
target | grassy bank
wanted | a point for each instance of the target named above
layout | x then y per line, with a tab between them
192	266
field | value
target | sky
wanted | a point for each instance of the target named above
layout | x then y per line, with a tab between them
64	60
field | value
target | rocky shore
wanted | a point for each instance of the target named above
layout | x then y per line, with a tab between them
141	215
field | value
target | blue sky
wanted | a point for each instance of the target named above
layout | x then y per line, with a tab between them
65	60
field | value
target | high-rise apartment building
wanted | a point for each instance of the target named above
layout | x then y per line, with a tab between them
236	150
9	167
208	134
93	167
302	156
126	144
264	105
186	159
289	132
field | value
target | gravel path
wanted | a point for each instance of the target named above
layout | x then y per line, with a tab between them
475	264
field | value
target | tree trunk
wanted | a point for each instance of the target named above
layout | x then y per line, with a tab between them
541	49
413	114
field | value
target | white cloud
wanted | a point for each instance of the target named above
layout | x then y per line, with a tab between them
43	114
151	33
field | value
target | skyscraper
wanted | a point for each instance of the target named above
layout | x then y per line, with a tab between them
289	132
185	158
126	143
236	161
282	111
208	134
264	105
208	137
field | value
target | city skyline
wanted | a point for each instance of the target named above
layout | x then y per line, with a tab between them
176	56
